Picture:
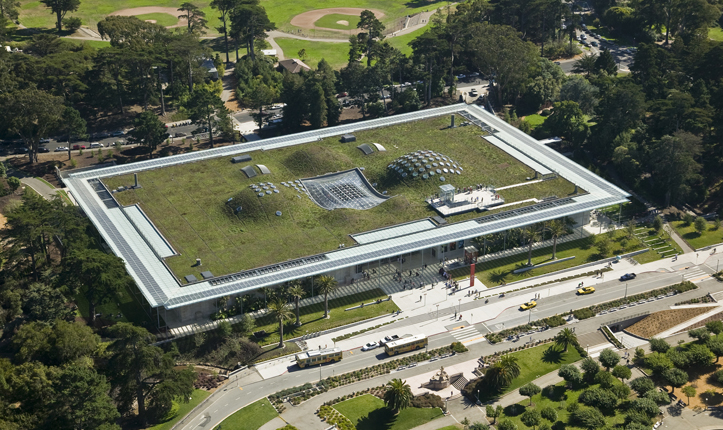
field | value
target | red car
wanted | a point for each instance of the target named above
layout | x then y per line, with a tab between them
340	95
78	146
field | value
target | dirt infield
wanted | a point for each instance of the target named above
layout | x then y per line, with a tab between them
152	9
307	19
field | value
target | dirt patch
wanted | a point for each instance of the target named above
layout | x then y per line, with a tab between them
152	21
343	22
658	322
152	9
307	19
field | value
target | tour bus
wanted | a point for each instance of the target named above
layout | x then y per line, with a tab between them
314	357
405	344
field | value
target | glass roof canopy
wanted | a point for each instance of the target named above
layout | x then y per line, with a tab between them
161	288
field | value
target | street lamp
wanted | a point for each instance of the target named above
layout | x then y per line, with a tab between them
626	291
459	308
425	299
437	312
588	348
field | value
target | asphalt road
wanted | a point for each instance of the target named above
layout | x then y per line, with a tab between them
232	397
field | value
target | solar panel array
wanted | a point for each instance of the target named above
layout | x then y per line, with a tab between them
267	269
343	190
525	210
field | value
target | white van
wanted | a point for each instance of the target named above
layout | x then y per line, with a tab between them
96	145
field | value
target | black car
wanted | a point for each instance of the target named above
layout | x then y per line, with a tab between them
21	150
43	149
627	277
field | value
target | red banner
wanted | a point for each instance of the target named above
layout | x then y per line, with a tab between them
471	275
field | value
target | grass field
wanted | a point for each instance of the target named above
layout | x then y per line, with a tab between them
699	240
540	360
336	54
187	202
163	19
368	412
251	417
124	303
493	272
561	396
535	120
402	42
312	316
179	410
716	33
330	21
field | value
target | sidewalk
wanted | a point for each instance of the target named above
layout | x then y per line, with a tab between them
40	187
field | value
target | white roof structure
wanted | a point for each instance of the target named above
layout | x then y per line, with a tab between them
143	252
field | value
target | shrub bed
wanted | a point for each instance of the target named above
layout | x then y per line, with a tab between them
611	337
348	335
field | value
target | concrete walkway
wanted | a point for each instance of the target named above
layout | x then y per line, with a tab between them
679	240
40	187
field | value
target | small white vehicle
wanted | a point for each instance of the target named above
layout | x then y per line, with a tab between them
370	346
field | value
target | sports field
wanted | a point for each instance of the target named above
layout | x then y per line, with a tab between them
338	21
188	202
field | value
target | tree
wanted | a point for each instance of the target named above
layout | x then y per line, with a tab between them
372	30
507	425
699	355
195	18
700	224
398	395
590	368
326	285
61	343
570	373
549	413
100	276
142	373
9	9
280	312
660	398
205	108
605	379
531	235
568	120
646	406
32	114
556	228
599	398
246	325
586	65
689	391
674	164
675	378
577	89
565	338
603	245
715	327
502	372
605	63
642	385
700	334
14	183
81	401
297	293
715	345
608	358
529	390
148	130
491	412
659	345
60	8
224	8
658	362
259	96
250	23
622	373
531	418
589	418
73	124
46	304
479	426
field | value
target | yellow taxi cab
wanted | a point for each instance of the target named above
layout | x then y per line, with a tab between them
586	290
529	305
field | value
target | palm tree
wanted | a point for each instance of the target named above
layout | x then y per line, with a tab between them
296	292
586	64
556	229
565	338
531	236
398	395
279	311
327	285
503	372
573	24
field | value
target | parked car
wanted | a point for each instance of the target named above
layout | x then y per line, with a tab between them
76	146
118	133
43	149
340	95
528	305
96	145
388	339
44	140
370	346
21	150
627	277
473	93
180	134
593	43
61	148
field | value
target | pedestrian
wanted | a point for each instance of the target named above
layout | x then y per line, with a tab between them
455	314
420	298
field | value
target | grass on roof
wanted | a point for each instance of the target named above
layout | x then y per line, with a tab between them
188	202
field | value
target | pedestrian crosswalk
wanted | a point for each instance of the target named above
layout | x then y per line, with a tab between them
467	335
695	274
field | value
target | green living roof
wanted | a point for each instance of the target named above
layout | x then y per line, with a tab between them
189	202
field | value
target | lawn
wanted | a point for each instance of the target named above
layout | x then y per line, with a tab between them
535	120
559	401
179	410
494	272
540	360
124	303
97	44
250	417
402	42
330	21
163	19
698	240
336	54
188	202
368	412
716	33
312	316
